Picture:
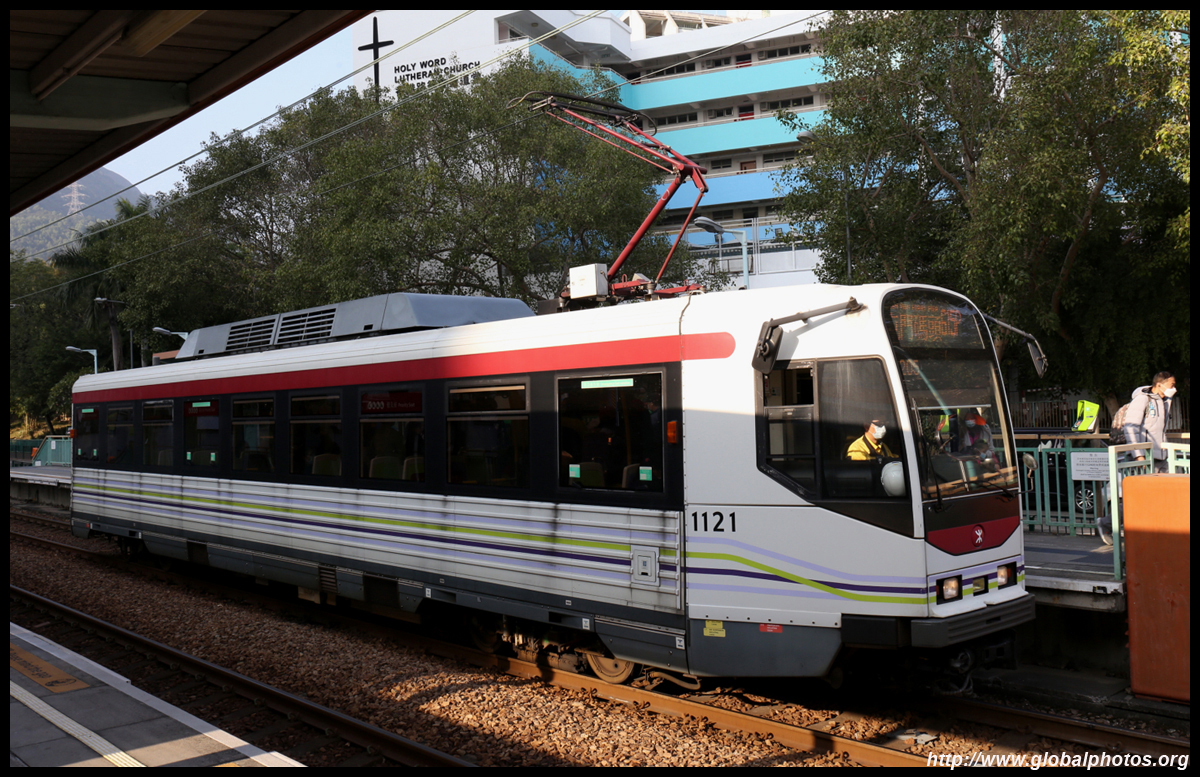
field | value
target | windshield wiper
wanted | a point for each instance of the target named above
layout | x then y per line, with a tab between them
1009	495
924	443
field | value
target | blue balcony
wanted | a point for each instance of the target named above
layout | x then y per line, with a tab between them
732	136
726	189
724	84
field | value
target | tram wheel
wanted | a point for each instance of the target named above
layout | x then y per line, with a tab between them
483	634
611	670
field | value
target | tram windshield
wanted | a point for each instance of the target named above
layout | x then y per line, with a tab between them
952	390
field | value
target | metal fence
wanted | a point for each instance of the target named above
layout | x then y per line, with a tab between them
1060	414
52	451
20	452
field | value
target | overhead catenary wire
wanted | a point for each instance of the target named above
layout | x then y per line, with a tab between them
409	98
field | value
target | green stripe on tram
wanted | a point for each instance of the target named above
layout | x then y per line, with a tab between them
520	536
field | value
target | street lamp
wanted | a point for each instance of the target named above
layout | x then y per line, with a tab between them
708	225
162	331
95	361
808	137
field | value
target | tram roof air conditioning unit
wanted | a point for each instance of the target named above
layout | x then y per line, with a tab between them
382	314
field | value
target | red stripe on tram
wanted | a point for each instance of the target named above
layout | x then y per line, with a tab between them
652	350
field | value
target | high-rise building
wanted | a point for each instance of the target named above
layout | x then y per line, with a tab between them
712	84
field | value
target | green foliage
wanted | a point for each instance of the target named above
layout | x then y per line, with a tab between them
1009	155
39	330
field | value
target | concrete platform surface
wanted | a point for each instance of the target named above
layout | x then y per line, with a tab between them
1072	571
65	710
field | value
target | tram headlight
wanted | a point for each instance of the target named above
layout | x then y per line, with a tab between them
949	589
979	586
1006	575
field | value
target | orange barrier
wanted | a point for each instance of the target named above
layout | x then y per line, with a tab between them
1158	576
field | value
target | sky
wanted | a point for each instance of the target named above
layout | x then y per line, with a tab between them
301	76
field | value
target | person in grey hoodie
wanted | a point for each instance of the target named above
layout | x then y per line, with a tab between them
1146	417
1145	421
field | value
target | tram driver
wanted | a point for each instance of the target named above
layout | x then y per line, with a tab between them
870	446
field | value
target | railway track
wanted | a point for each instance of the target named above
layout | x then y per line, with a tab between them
819	738
319	733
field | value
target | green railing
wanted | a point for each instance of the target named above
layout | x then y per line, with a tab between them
1056	497
53	451
1119	471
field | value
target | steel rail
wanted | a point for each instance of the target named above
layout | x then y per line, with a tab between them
798	738
1083	732
94	555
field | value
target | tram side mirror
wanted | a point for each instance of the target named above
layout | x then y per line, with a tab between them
1030	463
767	348
1039	358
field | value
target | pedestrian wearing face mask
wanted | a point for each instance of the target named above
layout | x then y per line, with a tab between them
1146	417
871	444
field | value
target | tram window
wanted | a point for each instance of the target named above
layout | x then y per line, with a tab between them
201	433
254	435
487	429
316	435
87	434
854	403
610	431
391	434
788	397
119	426
157	432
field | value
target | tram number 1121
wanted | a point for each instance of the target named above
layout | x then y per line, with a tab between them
700	522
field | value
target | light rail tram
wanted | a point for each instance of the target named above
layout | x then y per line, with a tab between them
744	483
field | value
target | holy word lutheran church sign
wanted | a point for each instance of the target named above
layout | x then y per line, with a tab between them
448	52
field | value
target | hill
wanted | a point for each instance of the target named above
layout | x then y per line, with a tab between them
90	189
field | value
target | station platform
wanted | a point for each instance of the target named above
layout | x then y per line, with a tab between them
1072	571
65	710
41	485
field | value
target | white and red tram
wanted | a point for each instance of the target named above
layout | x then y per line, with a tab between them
697	484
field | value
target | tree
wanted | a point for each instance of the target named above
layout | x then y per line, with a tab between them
40	328
1155	45
1001	154
88	264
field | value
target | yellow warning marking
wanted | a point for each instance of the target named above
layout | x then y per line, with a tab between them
108	750
714	628
41	672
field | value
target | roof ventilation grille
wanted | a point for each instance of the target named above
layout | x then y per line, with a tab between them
251	334
306	326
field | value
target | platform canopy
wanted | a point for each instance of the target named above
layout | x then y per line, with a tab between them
87	86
